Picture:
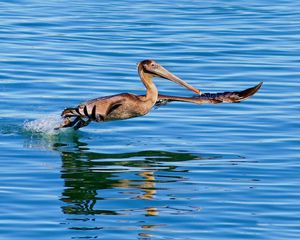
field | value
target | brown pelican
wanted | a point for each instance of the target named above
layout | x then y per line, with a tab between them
127	105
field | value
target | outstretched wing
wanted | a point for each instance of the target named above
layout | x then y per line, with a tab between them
211	98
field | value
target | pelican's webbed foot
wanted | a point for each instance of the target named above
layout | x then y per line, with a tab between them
68	122
76	123
81	123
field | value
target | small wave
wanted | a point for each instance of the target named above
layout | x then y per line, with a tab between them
41	134
44	125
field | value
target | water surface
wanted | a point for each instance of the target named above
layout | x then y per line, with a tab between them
227	171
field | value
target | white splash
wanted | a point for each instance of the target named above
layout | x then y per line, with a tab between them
44	125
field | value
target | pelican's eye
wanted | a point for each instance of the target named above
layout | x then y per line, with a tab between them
154	66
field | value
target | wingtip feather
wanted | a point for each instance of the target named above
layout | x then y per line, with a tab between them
250	91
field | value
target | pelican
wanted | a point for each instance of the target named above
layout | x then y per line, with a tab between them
127	105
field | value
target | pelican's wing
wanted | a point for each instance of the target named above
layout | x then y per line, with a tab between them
211	98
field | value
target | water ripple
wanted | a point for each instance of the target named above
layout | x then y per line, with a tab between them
225	171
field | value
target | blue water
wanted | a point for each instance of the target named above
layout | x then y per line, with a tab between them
226	171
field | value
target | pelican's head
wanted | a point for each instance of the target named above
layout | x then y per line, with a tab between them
156	70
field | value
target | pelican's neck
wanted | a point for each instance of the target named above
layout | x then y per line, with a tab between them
152	92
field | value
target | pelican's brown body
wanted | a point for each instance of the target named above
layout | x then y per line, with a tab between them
115	107
126	105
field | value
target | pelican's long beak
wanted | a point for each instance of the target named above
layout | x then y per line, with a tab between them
164	73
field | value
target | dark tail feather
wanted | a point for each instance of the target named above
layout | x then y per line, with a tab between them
211	98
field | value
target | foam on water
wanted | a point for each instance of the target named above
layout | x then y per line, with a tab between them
44	125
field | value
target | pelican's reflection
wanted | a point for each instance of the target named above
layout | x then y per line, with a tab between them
102	184
87	176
